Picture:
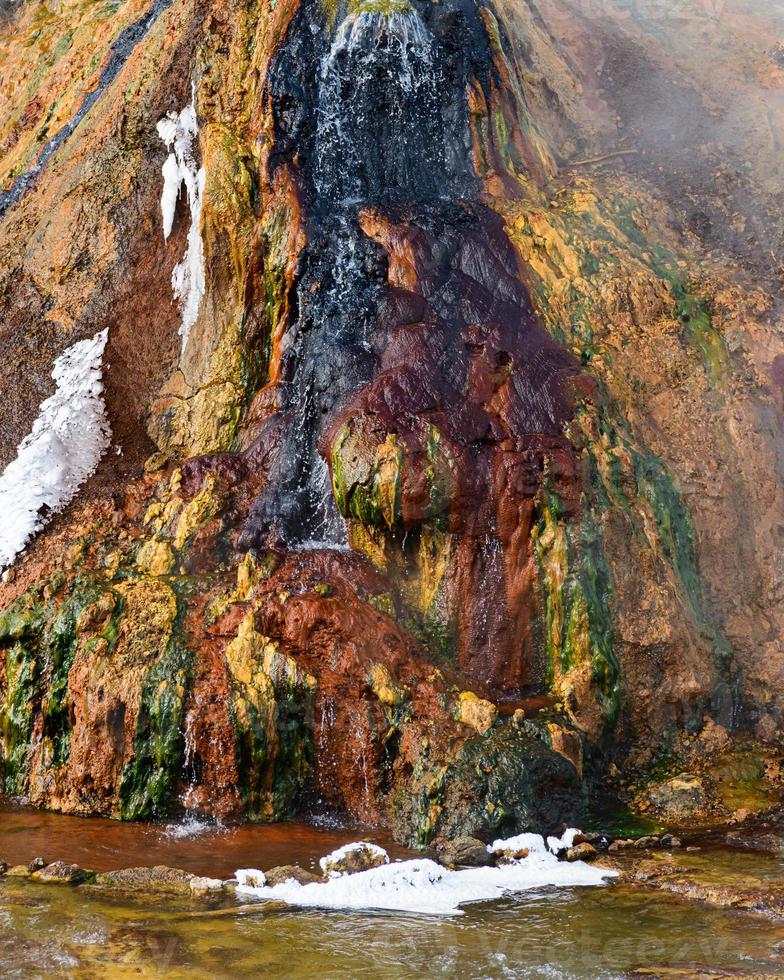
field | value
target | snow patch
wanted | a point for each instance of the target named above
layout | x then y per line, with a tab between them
558	844
250	879
179	131
67	440
337	855
522	842
425	887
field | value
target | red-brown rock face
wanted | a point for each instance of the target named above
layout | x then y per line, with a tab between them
460	429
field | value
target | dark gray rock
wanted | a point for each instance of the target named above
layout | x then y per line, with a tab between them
466	852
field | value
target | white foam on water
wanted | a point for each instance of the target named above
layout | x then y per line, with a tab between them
531	842
557	844
192	826
179	131
67	440
422	886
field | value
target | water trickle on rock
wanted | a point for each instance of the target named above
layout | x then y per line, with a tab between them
379	136
379	127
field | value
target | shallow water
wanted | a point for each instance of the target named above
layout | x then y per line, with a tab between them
105	845
599	932
568	932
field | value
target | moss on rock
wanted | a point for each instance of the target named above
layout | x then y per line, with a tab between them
272	712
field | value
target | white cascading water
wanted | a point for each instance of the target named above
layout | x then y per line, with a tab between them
370	47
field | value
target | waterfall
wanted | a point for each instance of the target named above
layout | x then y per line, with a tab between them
189	764
375	133
378	91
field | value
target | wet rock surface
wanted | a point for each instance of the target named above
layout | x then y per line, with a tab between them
747	895
464	852
766	843
290	872
147	880
59	871
581	852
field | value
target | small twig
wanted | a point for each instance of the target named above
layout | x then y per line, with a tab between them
607	156
254	908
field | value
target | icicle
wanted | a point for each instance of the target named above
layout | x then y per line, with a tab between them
179	132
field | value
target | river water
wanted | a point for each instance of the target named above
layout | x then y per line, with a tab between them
569	932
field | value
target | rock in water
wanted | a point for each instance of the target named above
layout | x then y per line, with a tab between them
206	886
290	872
62	872
158	879
766	842
465	852
18	871
352	858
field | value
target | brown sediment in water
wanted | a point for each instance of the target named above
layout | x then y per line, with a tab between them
215	851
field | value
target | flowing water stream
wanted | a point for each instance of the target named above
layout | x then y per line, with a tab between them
604	932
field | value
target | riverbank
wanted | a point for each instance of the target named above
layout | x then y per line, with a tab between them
698	909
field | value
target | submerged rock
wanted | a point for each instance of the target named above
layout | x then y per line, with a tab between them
744	893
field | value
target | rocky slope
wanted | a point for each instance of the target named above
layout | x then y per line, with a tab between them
451	488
